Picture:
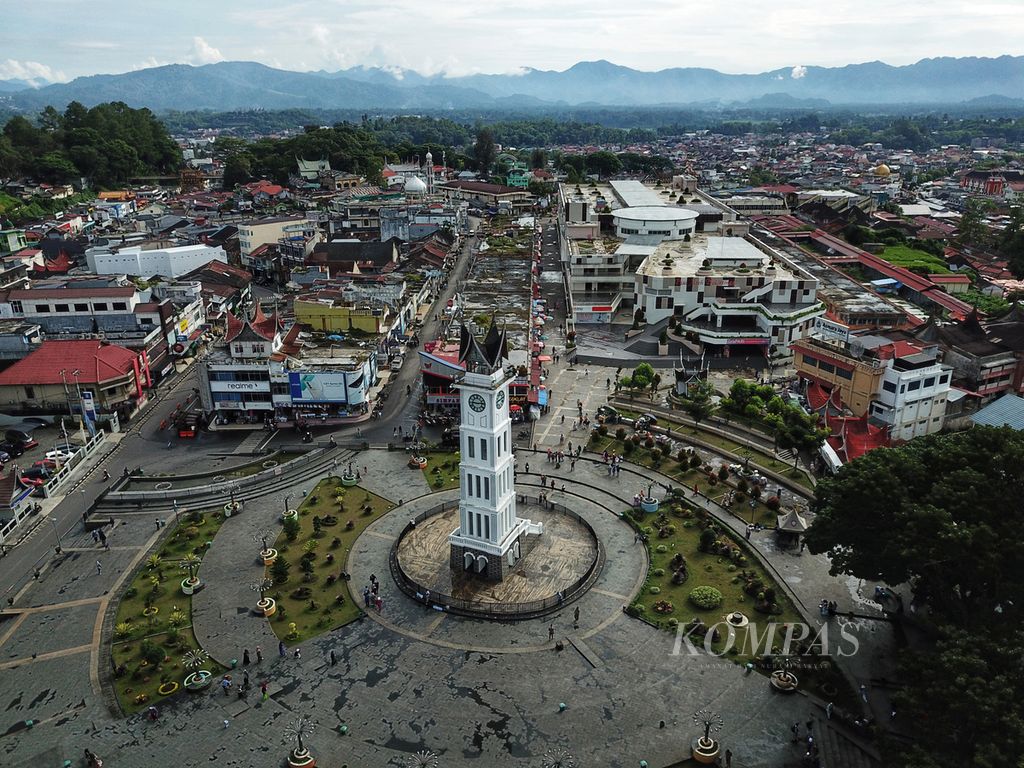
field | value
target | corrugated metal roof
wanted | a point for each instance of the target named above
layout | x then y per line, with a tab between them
1007	411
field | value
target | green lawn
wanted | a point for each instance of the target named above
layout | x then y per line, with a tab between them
311	603
442	470
170	628
915	260
744	586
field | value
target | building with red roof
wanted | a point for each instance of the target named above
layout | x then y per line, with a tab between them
46	378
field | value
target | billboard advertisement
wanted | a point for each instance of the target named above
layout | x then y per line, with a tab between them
318	387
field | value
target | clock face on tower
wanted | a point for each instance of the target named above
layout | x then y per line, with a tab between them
477	403
499	401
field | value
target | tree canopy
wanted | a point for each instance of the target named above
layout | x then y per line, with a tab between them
106	145
942	512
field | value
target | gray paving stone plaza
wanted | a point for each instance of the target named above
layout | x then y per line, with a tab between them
408	679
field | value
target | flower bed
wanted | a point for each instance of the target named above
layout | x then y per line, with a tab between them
315	598
154	614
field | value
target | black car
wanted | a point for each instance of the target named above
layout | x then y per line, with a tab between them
41	473
12	449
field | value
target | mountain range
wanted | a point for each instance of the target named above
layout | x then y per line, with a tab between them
249	85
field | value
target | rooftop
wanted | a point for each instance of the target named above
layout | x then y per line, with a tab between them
94	360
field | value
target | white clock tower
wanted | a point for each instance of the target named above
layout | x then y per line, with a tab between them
490	538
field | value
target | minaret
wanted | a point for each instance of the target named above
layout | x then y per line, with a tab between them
489	539
430	173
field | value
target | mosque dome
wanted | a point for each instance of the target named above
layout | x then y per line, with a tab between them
882	170
414	185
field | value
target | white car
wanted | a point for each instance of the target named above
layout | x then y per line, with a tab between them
60	455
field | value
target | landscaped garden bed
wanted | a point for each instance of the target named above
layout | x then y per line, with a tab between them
701	576
153	625
687	468
309	586
442	470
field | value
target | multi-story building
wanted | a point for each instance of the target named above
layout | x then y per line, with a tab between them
897	384
254	376
158	257
254	233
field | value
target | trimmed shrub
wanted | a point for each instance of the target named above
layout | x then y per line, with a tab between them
705	597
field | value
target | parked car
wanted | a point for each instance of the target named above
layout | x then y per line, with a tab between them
36	473
60	454
4	457
14	450
50	464
20	436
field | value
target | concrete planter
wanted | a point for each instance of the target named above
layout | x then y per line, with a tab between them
705	751
663	349
268	555
649	504
190	585
266	606
349	480
783	681
291	514
301	759
232	508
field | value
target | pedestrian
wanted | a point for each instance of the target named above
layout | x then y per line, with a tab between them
551	632
245	657
263	689
92	761
527	467
259	655
809	724
245	679
152	714
828	710
280	649
298	654
380	605
377	602
225	684
728	758
226	724
366	597
576	617
95	537
99	567
795	730
864	692
158	525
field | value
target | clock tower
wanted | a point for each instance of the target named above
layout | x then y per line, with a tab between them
490	538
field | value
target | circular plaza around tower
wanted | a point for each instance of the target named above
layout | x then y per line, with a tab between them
557	567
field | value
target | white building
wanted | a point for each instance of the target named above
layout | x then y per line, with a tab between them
489	539
727	291
151	258
913	395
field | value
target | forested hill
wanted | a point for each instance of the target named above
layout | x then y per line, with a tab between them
106	145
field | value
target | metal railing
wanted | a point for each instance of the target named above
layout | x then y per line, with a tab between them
497	610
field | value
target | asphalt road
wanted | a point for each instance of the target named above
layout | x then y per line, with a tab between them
144	444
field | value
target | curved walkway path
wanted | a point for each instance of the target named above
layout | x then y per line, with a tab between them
222	612
622	576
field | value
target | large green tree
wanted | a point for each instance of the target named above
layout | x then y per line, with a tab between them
698	403
942	512
484	150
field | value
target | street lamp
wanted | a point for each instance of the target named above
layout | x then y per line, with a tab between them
287	500
57	534
299	729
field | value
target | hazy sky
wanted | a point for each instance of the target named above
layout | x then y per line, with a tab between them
62	39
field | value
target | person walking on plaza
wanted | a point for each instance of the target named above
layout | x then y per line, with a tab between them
99	567
280	649
259	655
298	654
263	690
245	657
225	684
551	632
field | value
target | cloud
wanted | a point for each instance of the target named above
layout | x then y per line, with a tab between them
798	72
203	53
30	71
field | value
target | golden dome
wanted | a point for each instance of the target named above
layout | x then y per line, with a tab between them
882	170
